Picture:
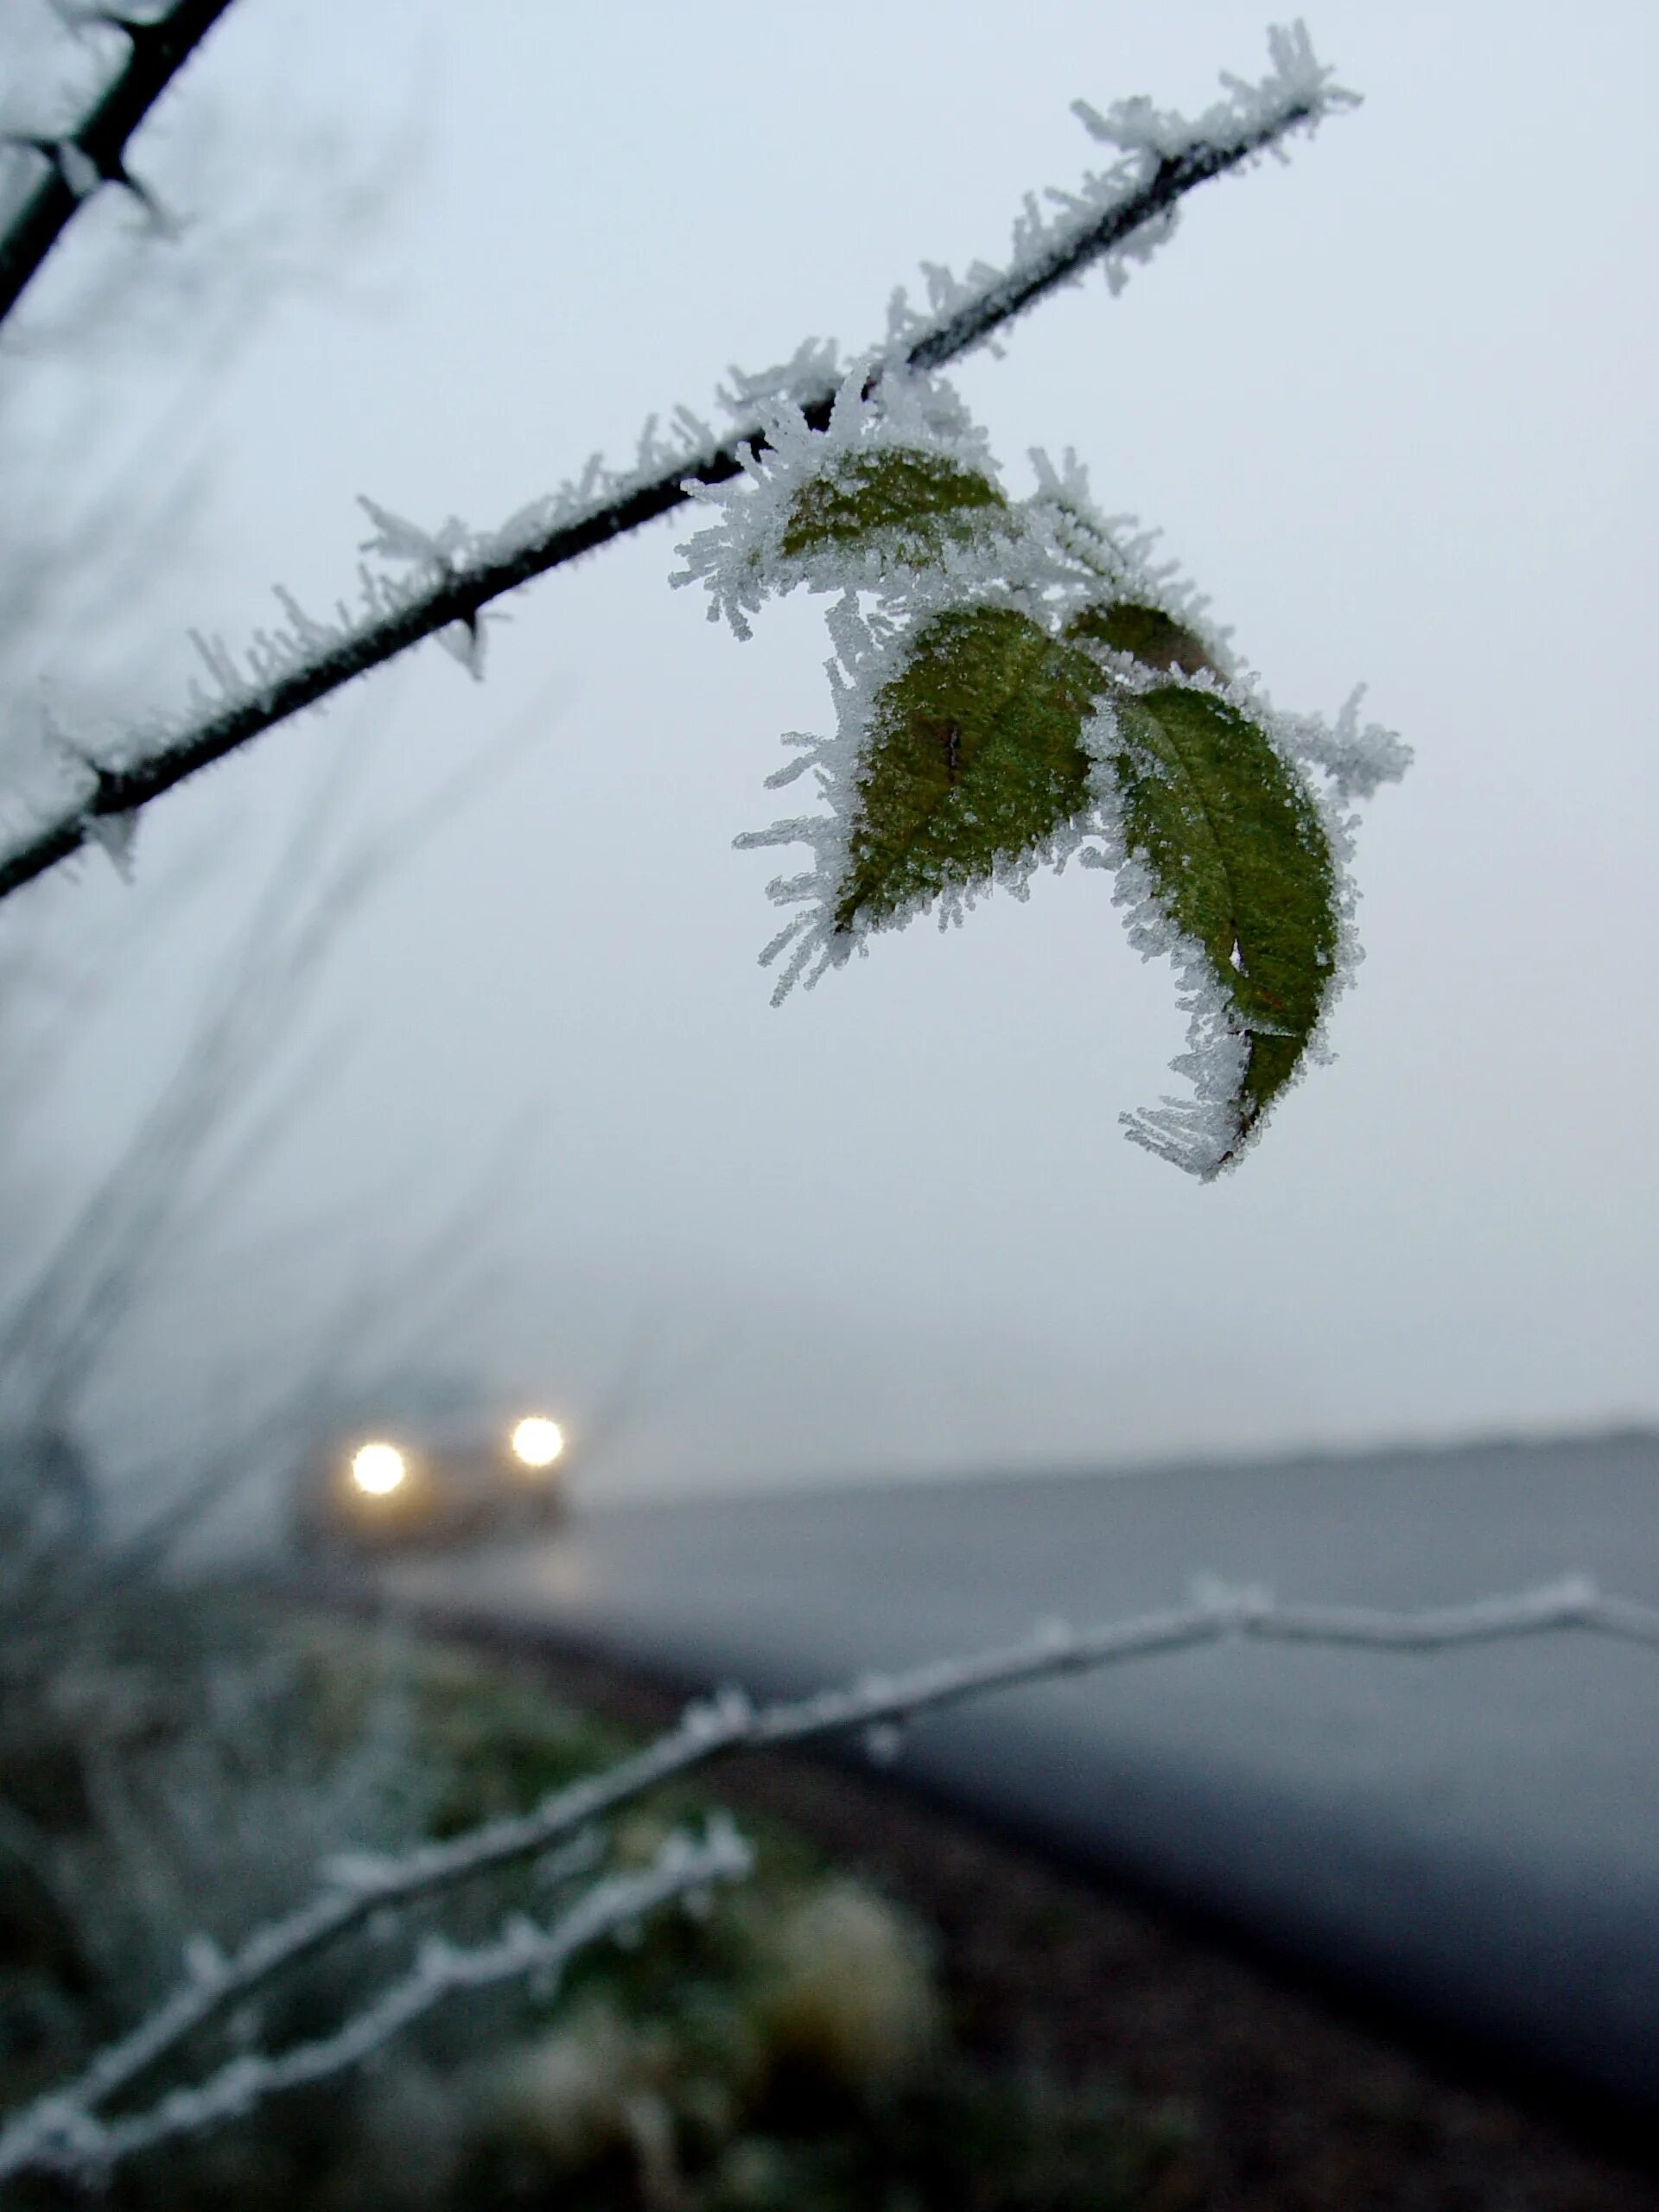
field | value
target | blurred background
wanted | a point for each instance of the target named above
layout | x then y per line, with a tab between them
463	976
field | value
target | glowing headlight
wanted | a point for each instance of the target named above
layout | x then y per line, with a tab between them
378	1468
537	1442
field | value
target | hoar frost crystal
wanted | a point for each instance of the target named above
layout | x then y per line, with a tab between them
1017	681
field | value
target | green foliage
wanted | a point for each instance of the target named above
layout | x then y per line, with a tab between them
791	2053
1012	688
1242	863
973	756
965	2140
914	501
1154	638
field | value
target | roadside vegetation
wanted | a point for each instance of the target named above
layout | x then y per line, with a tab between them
785	2044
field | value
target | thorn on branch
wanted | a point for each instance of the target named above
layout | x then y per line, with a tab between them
108	821
116	834
77	171
83	170
145	32
464	639
140	30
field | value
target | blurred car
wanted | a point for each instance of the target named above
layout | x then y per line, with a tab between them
430	1482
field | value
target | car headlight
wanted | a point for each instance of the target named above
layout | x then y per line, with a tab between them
378	1468
536	1441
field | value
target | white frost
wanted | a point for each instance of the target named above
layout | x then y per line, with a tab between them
738	554
1047	557
1297	79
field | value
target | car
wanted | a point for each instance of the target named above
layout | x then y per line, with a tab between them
391	1485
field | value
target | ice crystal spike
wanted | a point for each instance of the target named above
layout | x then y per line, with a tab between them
898	480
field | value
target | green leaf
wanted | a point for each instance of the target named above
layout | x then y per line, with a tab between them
973	756
1242	862
1154	638
912	501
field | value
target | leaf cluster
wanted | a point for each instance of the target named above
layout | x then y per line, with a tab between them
1016	682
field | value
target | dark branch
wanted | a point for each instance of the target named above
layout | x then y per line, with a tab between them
459	595
1175	175
95	152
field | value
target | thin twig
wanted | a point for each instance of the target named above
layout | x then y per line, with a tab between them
61	1324
81	160
1100	228
356	1888
67	2139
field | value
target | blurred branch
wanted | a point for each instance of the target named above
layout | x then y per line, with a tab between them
82	161
643	1380
1116	218
66	1316
684	1869
60	2129
434	1273
55	1332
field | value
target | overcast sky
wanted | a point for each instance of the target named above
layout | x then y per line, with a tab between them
1391	404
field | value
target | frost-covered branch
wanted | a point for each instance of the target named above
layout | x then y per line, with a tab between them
79	162
449	577
62	2134
356	1888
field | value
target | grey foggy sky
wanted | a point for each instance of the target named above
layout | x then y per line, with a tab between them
1391	405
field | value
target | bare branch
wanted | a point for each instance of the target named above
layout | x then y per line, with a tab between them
81	161
68	2138
358	1887
1114	218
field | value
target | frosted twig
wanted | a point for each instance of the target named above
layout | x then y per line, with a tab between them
451	577
62	2134
94	154
352	1890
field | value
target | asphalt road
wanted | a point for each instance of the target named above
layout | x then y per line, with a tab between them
1472	1836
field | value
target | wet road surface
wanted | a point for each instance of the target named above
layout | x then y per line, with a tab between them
1472	1836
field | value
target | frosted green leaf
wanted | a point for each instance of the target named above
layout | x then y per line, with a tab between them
974	757
1242	863
913	502
1154	638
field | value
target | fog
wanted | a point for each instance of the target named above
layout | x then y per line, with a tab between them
1390	404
